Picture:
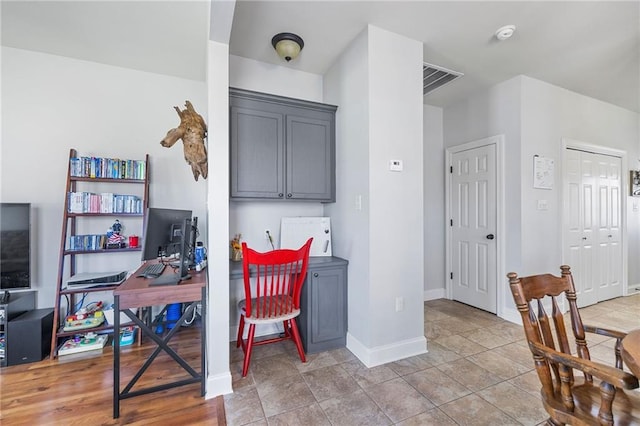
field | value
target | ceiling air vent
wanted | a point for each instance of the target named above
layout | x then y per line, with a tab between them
434	77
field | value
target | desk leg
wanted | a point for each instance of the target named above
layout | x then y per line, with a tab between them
203	339
116	357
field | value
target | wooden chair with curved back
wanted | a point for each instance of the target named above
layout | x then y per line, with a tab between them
274	295
569	399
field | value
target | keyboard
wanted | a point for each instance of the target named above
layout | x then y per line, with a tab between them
151	270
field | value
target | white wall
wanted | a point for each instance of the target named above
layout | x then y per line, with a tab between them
534	116
489	113
346	84
379	86
219	375
550	113
52	104
396	203
281	80
434	221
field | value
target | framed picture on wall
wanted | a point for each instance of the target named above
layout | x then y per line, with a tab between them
634	183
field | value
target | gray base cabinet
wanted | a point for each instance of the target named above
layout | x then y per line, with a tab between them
281	148
323	311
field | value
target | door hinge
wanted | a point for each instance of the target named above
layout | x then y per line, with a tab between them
451	275
450	169
450	222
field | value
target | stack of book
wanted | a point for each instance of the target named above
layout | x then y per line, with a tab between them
107	168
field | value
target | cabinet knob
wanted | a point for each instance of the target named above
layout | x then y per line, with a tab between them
280	195
289	195
315	274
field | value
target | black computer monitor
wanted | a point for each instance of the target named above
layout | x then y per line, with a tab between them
163	232
169	232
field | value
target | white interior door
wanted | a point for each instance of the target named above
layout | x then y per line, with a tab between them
592	224
473	227
609	252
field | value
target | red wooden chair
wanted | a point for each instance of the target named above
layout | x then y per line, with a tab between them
279	275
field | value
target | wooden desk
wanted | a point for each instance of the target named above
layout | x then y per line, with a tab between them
631	352
135	293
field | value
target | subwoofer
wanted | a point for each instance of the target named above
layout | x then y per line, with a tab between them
29	336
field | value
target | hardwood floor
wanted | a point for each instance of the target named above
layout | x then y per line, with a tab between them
78	389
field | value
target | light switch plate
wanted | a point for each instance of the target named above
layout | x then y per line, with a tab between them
395	165
543	205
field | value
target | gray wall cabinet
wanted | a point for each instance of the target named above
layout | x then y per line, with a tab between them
323	305
281	148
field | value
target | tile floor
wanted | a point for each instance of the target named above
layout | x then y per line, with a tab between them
478	371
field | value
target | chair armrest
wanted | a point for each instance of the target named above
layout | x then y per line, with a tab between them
611	375
605	332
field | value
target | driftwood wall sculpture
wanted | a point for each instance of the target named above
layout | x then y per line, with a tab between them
192	131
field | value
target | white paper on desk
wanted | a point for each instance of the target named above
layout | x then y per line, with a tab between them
295	231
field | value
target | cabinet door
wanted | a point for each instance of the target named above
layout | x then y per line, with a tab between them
310	160
257	153
327	308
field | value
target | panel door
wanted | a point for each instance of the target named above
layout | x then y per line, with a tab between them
580	212
310	167
328	305
608	227
323	309
592	217
257	153
473	210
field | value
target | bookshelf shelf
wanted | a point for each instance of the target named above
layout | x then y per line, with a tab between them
104	214
85	206
114	250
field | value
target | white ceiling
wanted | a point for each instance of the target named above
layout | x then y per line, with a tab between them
590	47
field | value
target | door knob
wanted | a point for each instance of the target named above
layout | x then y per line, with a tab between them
490	237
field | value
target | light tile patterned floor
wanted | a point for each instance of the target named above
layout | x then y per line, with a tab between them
478	371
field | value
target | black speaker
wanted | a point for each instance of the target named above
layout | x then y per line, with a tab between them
29	336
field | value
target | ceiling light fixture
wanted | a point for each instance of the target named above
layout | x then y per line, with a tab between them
505	32
288	45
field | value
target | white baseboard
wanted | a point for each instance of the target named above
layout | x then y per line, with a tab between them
436	293
633	289
220	384
372	357
512	315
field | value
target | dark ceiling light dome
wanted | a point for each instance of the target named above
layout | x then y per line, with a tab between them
288	45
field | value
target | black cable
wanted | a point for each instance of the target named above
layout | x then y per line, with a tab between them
270	239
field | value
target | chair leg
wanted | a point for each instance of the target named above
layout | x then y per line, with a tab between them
287	329
297	340
240	331
247	353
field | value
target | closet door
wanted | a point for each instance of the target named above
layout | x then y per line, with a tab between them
592	215
609	251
